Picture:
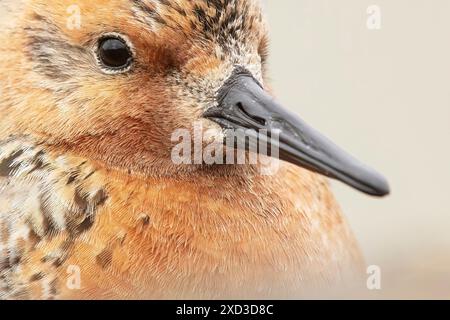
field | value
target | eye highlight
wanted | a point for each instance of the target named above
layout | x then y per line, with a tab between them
114	54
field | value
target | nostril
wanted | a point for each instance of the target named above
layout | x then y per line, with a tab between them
257	119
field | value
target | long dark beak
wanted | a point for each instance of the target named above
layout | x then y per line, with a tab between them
244	104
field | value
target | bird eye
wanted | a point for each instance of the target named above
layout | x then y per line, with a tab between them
114	54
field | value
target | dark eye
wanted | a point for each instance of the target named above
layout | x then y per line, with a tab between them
114	53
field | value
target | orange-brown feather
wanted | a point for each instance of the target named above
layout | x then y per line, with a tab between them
135	224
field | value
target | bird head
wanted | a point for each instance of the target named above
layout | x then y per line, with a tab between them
112	80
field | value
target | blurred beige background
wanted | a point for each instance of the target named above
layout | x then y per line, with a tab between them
383	95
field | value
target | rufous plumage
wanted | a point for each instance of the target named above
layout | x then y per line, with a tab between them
87	183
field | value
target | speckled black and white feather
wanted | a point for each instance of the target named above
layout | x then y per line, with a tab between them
41	196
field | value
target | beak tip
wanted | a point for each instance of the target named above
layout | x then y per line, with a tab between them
386	191
382	188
